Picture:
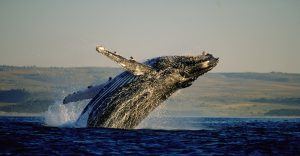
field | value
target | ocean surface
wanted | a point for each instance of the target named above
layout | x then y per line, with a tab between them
180	135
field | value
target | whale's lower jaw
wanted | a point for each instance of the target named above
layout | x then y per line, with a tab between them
124	116
122	119
127	107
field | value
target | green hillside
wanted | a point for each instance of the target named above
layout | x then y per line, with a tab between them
32	89
44	86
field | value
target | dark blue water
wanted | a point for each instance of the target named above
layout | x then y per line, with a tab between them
220	136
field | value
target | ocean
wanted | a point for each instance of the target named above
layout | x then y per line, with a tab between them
173	136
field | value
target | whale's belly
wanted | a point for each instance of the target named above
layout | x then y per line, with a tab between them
128	106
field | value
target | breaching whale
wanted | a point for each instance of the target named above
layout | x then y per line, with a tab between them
124	101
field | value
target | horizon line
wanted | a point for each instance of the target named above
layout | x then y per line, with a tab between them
36	66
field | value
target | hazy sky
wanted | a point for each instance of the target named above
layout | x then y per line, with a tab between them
258	36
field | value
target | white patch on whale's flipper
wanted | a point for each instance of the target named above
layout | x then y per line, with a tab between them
87	93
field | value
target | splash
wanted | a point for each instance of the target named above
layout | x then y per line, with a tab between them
60	115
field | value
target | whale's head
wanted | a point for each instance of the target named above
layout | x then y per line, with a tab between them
189	67
198	65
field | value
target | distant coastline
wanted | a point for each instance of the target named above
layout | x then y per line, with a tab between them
215	94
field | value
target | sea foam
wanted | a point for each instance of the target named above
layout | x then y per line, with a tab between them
60	115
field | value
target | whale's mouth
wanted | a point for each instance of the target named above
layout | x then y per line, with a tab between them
206	61
198	65
213	62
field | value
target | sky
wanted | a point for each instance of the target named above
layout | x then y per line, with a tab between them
247	36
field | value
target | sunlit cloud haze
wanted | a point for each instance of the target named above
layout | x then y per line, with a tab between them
257	36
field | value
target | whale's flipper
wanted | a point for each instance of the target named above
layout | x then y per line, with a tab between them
131	65
87	93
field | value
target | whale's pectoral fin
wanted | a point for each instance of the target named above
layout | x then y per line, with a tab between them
131	65
87	93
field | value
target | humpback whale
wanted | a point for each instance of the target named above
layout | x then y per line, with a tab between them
124	101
